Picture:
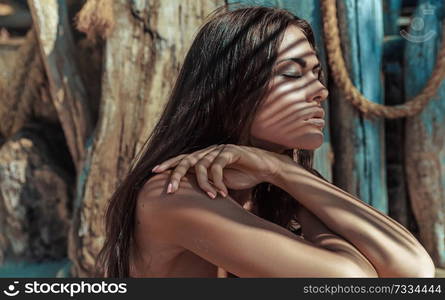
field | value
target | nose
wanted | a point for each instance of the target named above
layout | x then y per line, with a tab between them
320	92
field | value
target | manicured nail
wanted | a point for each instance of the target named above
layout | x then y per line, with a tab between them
175	186
169	188
223	194
211	195
155	169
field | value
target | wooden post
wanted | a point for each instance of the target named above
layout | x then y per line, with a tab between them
393	65
358	143
67	90
425	133
391	9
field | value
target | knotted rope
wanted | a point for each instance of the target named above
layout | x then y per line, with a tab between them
342	80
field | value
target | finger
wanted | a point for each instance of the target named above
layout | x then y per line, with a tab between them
177	159
216	170
179	172
202	174
183	167
217	175
223	160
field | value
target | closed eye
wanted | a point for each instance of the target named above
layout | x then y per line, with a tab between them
292	76
316	70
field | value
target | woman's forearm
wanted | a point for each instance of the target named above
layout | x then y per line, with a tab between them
392	250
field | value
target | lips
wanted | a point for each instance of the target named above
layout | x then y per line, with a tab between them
316	118
318	114
317	122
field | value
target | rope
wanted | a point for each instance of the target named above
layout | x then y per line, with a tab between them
341	77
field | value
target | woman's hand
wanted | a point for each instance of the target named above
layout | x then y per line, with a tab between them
231	166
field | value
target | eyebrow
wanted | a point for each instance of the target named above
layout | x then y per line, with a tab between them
299	61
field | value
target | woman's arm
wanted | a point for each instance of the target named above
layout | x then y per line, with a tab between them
317	233
392	250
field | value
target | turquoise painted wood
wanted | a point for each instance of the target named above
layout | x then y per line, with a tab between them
391	12
12	269
310	11
398	205
425	133
362	41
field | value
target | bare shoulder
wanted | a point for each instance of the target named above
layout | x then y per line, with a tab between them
152	202
155	189
153	195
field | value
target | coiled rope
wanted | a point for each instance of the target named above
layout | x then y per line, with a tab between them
352	94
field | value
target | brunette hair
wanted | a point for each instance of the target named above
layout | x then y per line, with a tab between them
221	83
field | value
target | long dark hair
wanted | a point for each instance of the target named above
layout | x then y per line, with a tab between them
221	83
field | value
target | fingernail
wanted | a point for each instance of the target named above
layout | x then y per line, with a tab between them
155	169
211	195
169	188
222	194
175	186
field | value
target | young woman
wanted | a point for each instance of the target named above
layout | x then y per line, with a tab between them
244	118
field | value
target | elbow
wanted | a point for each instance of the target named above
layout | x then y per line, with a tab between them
425	267
423	270
420	266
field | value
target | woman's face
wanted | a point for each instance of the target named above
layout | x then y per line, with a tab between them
291	117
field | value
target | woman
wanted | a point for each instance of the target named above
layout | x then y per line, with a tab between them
247	97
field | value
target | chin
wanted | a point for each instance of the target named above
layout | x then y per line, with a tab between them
311	142
311	147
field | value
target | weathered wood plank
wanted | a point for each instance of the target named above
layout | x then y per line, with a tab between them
14	15
23	88
67	90
34	199
425	133
398	204
391	13
359	165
